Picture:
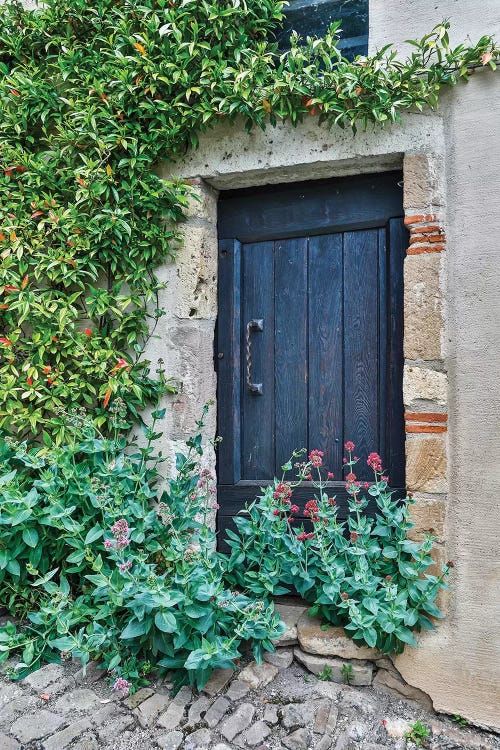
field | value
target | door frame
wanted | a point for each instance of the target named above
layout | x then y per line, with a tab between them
230	159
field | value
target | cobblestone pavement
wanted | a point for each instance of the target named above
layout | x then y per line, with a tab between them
280	707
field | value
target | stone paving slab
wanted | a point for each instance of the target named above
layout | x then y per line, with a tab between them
294	710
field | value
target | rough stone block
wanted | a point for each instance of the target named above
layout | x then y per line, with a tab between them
325	743
426	464
428	515
35	726
149	710
423	183
423	384
281	658
8	743
199	740
361	671
19	705
326	717
170	741
423	316
294	715
9	693
192	343
65	737
196	272
290	614
256	734
271	714
43	679
77	700
237	690
238	721
202	203
218	681
217	711
388	682
111	730
198	710
175	711
89	742
258	675
298	740
134	700
331	642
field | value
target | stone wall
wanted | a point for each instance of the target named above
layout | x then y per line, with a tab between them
459	663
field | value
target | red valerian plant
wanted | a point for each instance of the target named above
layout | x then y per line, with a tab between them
101	557
360	572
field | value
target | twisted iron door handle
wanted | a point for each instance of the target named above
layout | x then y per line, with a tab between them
257	324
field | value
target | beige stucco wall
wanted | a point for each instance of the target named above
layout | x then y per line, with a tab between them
457	367
459	665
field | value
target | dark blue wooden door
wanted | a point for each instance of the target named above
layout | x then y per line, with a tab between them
309	345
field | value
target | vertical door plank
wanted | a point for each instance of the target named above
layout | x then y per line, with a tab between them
361	344
398	242
258	411
290	347
383	349
325	335
228	366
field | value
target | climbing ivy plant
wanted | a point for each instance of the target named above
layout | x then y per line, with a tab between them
92	97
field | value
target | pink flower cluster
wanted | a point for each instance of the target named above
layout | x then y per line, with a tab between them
375	462
311	509
122	686
283	492
123	567
303	536
120	531
316	458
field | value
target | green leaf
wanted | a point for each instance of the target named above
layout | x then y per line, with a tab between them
76	557
405	635
14	568
432	609
95	533
30	537
135	628
64	643
166	622
371	604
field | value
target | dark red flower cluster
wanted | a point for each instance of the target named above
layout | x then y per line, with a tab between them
375	462
344	595
332	501
349	446
311	509
316	458
294	509
283	492
354	537
302	537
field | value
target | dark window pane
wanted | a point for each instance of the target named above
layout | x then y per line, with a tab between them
313	17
